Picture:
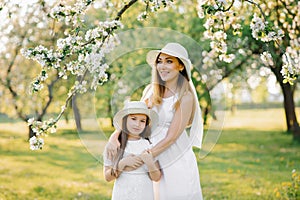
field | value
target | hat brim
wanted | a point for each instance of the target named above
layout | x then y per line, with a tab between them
118	118
152	56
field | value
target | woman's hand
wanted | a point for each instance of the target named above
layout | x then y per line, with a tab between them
147	158
113	145
130	162
153	166
112	149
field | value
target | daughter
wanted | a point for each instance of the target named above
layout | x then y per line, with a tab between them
134	121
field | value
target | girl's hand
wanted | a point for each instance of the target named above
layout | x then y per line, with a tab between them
132	162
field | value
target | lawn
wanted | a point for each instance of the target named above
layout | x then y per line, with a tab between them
253	157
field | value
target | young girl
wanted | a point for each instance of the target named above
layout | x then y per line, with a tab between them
134	121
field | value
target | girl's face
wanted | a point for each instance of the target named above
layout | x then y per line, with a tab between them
136	123
168	67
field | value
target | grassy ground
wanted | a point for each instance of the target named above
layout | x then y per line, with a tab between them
251	159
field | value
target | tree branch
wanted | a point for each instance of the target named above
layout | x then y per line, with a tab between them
123	10
8	84
258	6
117	18
50	91
73	93
230	6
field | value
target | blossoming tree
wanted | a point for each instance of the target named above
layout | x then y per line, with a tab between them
275	27
81	52
23	25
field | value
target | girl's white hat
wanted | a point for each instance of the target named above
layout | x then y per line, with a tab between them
172	49
135	107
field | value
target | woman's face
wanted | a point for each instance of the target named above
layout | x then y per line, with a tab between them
136	123
168	67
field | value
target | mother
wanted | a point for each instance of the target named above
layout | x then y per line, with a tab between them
172	95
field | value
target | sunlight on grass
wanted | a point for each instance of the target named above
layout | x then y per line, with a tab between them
269	119
251	159
62	170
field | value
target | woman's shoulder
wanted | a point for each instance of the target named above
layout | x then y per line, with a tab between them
147	89
147	92
187	97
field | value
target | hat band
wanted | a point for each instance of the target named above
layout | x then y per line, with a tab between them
172	53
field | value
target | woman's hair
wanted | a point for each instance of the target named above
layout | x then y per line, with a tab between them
159	86
123	138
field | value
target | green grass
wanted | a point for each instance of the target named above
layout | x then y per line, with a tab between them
248	164
62	170
251	159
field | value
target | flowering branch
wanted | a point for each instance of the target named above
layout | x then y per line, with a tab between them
259	7
78	54
216	28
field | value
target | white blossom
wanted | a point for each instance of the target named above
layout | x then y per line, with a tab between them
227	58
266	57
36	143
222	2
30	121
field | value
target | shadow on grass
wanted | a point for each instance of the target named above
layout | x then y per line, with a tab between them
62	170
244	164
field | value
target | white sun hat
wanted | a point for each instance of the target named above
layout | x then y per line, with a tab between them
135	107
172	49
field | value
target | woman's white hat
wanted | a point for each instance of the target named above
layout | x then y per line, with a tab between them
172	49
135	107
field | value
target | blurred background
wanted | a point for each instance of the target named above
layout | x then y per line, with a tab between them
257	155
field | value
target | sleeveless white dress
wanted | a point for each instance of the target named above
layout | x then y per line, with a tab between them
180	179
136	184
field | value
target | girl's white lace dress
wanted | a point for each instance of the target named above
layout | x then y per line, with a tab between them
136	184
180	176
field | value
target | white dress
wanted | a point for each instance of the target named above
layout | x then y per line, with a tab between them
180	179
136	184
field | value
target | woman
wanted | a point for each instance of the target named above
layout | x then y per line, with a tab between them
134	121
172	95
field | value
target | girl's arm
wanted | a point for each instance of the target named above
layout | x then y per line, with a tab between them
153	166
128	163
109	174
178	124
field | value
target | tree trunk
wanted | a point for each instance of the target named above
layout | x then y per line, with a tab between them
290	113
110	115
30	132
76	113
289	104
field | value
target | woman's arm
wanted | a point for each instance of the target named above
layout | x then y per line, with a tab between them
177	126
113	144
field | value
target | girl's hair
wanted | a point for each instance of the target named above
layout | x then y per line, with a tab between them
159	87
123	138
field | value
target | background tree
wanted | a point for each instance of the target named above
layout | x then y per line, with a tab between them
82	48
23	25
274	37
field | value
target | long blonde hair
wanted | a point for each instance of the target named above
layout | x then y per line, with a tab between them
159	87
